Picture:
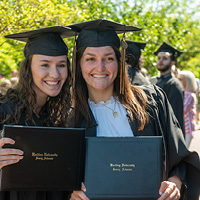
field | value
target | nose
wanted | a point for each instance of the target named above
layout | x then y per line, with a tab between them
100	66
54	72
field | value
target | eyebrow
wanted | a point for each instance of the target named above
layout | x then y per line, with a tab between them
92	54
50	61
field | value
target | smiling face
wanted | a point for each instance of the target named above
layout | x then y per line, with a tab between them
49	74
99	68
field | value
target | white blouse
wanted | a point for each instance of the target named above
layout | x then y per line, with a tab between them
108	125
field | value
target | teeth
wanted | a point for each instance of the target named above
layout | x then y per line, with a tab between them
99	76
51	83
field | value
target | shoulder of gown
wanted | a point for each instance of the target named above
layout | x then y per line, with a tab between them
177	152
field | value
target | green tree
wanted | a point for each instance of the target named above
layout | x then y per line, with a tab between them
161	21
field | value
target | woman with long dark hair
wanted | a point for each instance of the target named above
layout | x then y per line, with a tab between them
108	106
41	97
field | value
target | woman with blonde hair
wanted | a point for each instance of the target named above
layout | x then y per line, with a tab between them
189	83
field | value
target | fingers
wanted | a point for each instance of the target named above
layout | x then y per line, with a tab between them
9	156
6	141
9	151
8	162
79	195
9	159
169	191
83	188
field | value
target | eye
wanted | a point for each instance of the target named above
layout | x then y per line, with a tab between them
109	59
45	65
90	59
62	65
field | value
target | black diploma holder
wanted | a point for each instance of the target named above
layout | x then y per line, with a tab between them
122	168
53	160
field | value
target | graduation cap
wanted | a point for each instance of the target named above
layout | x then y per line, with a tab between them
134	48
44	41
167	48
98	33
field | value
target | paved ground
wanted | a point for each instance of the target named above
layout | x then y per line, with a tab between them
195	143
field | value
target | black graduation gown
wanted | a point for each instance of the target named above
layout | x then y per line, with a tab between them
163	122
6	109
175	94
136	77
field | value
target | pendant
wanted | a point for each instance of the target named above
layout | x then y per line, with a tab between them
115	114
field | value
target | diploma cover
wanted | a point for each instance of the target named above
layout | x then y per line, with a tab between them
123	168
53	160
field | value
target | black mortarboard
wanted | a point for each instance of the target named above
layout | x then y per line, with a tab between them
134	48
98	33
167	48
45	41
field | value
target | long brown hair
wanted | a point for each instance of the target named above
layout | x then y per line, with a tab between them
53	113
133	99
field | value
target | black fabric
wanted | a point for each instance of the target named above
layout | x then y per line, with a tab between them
9	109
163	121
103	23
175	94
134	48
63	31
49	44
45	41
5	110
98	38
136	77
100	32
167	48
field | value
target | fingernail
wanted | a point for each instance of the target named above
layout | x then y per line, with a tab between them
21	152
84	190
160	193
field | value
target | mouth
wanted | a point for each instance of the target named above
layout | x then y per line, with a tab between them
99	76
52	83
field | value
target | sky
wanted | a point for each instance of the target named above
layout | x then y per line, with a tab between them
191	6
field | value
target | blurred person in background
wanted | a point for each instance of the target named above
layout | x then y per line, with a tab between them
13	81
2	75
14	73
135	62
144	72
5	84
166	58
197	103
187	78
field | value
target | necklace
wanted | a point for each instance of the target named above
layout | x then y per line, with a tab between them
115	114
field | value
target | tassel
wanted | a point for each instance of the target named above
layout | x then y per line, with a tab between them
74	67
122	71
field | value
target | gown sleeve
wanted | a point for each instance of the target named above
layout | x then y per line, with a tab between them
180	160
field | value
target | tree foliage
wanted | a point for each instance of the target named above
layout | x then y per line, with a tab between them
161	21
